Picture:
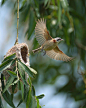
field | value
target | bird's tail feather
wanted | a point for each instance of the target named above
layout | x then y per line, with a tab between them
36	50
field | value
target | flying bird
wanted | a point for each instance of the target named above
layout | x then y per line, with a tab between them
49	44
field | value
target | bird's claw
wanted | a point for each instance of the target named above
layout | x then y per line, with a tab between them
41	49
44	53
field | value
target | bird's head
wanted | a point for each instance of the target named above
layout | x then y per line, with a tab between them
58	39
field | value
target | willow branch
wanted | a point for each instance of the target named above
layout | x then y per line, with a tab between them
17	21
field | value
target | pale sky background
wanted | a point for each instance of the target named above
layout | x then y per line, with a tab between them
7	40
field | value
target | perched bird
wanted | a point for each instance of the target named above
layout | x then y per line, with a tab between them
48	44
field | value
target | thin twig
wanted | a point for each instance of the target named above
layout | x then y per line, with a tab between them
17	21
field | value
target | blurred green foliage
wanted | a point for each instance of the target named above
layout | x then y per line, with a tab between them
65	19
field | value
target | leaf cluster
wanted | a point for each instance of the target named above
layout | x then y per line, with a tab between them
25	85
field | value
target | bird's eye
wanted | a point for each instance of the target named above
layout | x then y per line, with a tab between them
58	39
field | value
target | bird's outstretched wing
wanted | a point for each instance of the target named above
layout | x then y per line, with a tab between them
41	32
57	54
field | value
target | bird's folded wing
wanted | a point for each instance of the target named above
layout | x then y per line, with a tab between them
41	32
57	54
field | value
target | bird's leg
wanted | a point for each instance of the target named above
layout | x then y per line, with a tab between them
44	53
41	49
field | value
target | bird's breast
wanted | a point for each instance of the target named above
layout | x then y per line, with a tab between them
49	45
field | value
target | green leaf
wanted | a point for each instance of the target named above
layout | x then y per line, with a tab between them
5	65
1	104
31	23
10	80
13	87
29	81
22	73
15	81
3	1
29	98
46	2
53	1
19	85
12	96
36	3
40	96
34	103
64	4
32	70
25	68
33	90
26	90
10	57
20	102
22	89
13	74
31	101
59	12
7	97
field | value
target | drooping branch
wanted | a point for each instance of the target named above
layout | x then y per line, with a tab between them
17	21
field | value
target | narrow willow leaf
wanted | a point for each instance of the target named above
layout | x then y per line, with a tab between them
12	96
10	57
13	87
3	2
22	73
22	89
20	102
33	90
34	103
53	1
46	2
64	4
31	23
29	98
31	101
7	97
5	65
26	90
59	12
36	3
29	81
24	5
19	85
40	96
13	74
25	68
32	70
15	81
10	80
1	104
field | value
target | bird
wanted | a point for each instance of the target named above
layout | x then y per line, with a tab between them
48	44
